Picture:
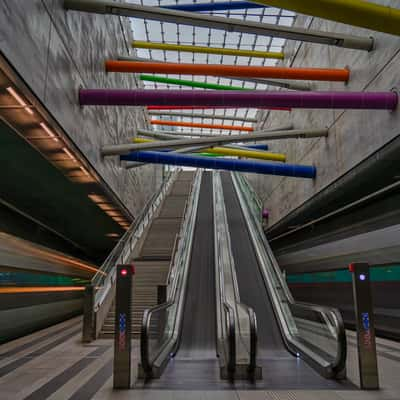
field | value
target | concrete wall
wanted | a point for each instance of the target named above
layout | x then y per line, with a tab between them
56	52
353	135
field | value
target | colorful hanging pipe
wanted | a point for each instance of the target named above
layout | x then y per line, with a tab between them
317	100
239	151
217	6
260	167
360	13
207	50
212	108
184	82
313	74
198	125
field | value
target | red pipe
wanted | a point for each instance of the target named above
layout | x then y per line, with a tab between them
314	74
197	125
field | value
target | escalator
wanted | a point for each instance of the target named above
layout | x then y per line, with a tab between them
194	364
226	296
281	369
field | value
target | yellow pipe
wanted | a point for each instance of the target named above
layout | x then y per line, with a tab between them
353	12
262	155
207	50
226	151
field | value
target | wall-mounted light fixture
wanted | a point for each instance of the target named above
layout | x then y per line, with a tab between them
19	100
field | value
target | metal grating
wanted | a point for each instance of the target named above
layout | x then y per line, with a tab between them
180	34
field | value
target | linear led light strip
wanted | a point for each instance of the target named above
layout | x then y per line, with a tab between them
69	154
22	103
48	131
19	100
120	220
102	203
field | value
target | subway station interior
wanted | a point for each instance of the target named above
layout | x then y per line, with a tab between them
199	199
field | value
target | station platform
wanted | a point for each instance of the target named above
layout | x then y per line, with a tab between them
54	364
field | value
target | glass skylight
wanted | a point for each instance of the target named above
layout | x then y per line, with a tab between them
154	31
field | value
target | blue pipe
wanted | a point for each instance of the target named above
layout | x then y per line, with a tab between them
256	146
223	5
156	157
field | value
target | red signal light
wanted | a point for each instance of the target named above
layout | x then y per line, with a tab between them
124	272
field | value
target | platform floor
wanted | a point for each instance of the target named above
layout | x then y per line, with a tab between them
53	364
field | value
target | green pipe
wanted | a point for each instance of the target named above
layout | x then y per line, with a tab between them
183	82
209	154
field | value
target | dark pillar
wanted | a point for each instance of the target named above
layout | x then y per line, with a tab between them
122	338
366	345
88	315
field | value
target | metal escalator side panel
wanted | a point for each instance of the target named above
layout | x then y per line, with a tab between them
296	320
237	328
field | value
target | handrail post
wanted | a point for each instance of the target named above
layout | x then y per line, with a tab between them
88	315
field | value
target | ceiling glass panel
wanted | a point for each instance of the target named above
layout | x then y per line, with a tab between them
154	31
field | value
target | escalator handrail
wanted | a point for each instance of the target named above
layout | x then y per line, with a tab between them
105	277
144	334
340	360
253	340
230	323
232	338
238	304
340	331
174	250
178	283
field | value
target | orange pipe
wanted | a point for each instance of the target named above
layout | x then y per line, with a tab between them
316	74
194	125
39	289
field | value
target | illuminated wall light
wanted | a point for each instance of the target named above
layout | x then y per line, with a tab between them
119	219
97	198
48	131
113	213
19	100
116	215
69	154
106	206
84	171
113	235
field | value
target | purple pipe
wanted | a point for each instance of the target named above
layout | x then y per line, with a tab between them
265	213
254	98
